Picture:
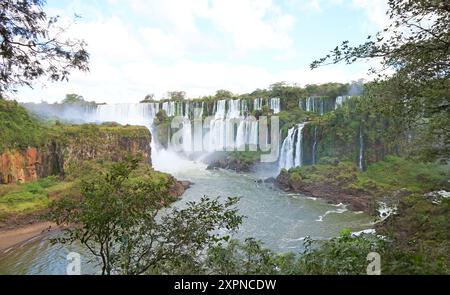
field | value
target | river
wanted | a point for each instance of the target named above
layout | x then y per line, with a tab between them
280	220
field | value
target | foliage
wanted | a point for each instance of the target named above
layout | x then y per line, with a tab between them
30	197
75	99
224	94
32	47
416	46
121	221
343	255
18	128
162	126
176	95
237	258
379	180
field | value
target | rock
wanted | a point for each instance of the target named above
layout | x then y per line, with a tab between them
270	180
355	200
100	143
178	189
436	197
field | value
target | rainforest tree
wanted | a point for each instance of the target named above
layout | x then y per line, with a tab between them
32	46
416	46
121	221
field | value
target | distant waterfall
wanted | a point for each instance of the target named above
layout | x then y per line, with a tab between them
361	149
230	126
310	104
321	104
273	104
287	151
340	100
291	150
133	114
314	147
257	104
299	147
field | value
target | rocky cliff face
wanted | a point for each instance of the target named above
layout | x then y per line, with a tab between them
31	164
71	145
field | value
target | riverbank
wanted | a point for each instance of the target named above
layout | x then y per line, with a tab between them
389	181
17	228
355	201
13	237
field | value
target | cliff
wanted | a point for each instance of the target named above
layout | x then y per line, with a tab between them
70	144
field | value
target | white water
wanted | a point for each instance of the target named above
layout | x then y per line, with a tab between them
291	150
278	219
340	100
314	147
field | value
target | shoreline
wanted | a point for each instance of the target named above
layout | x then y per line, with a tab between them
20	230
11	238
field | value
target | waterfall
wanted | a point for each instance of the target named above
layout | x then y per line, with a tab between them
310	104
361	149
133	114
314	147
234	109
287	151
291	151
230	126
340	100
298	148
257	104
274	104
187	136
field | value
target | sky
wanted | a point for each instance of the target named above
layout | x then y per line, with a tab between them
140	47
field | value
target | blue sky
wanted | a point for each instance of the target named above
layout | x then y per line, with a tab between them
199	46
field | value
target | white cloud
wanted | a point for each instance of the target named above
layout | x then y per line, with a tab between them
130	60
248	24
252	24
375	11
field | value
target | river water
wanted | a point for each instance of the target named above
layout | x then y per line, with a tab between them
280	220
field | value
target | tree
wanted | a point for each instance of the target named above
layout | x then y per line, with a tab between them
120	220
236	258
32	46
418	29
176	95
73	99
224	94
416	45
149	97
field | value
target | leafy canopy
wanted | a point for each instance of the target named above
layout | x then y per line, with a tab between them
121	221
32	46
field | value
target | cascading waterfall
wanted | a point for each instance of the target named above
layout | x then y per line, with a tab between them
314	147
299	147
340	100
231	127
287	151
310	104
321	104
133	114
257	104
291	150
274	104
